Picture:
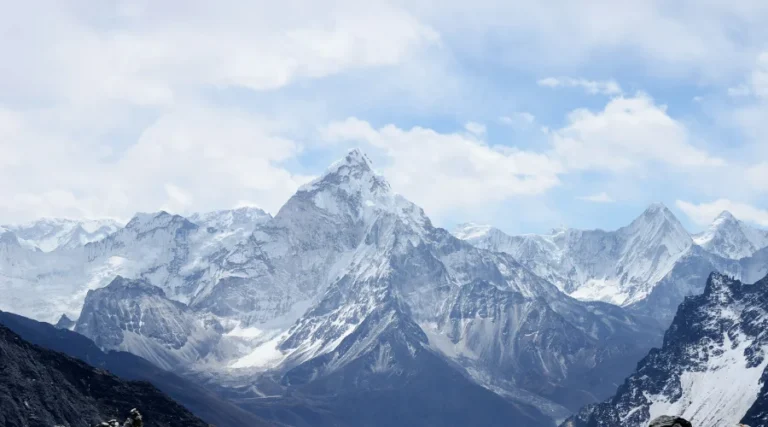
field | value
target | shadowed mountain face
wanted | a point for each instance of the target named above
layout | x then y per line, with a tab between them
127	366
711	370
382	375
40	387
135	315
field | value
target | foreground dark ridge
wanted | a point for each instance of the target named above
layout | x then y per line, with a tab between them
43	388
127	366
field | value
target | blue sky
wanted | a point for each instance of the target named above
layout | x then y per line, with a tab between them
526	115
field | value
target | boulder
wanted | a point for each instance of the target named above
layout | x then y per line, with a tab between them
667	421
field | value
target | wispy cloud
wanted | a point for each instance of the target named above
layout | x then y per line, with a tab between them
598	198
705	213
459	164
739	90
594	87
518	119
475	128
630	133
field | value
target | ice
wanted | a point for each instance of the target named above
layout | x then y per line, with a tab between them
717	394
265	356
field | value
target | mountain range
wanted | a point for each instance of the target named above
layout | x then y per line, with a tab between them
349	307
647	267
48	234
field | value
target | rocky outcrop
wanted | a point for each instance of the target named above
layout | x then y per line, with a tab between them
65	322
134	420
39	387
712	368
135	316
667	421
199	400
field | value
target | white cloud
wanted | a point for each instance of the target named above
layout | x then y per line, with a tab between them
757	176
190	159
118	97
759	77
627	134
207	159
475	128
22	206
694	39
105	92
757	81
705	213
159	52
178	199
607	87
602	197
450	171
519	119
739	91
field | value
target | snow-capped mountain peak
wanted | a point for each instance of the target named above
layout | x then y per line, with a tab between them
143	223
351	190
724	221
657	217
725	215
354	158
731	238
470	231
243	217
619	266
48	234
143	219
352	174
653	242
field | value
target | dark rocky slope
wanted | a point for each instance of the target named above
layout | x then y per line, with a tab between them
194	397
44	388
711	370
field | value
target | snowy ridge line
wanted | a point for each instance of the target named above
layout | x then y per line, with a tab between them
711	369
623	267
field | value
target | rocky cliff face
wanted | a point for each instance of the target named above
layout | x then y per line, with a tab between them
200	401
133	315
711	369
40	387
